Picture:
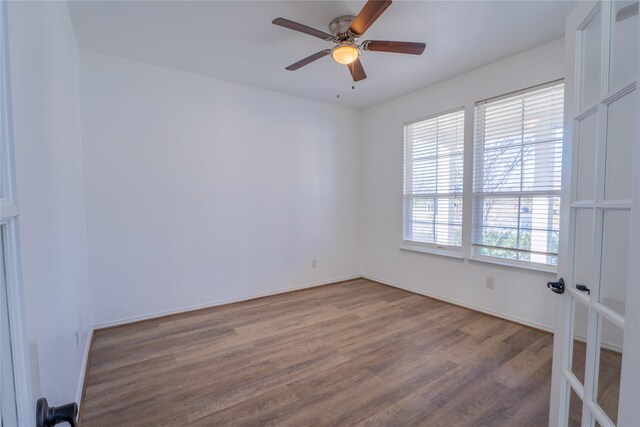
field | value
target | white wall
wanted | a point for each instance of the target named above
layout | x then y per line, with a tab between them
201	191
49	179
519	294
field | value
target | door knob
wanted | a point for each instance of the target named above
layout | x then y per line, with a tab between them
50	416
557	287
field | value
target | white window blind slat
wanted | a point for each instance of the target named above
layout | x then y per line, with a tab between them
517	175
433	180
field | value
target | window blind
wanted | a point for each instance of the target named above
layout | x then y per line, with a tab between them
517	174
433	171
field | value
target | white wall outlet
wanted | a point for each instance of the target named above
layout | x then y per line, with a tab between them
314	263
490	282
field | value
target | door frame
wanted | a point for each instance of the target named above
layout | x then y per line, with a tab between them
9	222
630	384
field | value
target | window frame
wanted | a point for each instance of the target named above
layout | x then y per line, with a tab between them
425	247
474	250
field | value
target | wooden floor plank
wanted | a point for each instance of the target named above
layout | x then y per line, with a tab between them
352	353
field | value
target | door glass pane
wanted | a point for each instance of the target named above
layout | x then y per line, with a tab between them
583	247
615	250
9	410
586	157
624	42
575	409
610	368
579	347
591	61
619	157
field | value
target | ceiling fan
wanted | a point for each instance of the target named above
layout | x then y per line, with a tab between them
345	32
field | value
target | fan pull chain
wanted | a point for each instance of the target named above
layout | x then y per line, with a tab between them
338	78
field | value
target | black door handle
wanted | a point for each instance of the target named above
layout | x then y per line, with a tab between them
583	288
50	416
557	287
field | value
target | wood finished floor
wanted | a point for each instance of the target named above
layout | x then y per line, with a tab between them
355	353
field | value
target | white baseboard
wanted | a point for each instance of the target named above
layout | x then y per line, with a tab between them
83	368
454	301
126	320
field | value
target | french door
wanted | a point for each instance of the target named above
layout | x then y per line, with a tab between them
596	362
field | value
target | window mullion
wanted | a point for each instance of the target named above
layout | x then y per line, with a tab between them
522	107
435	199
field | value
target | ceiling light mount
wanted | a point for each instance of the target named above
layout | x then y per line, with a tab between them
339	27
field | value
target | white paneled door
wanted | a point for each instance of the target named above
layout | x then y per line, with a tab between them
596	361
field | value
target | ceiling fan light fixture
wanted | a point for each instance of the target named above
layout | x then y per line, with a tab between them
346	30
345	53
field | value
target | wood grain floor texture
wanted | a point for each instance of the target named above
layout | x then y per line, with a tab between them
354	353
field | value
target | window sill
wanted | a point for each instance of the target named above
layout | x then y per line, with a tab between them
514	264
432	250
458	254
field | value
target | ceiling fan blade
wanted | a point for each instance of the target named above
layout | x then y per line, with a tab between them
411	48
368	15
308	60
627	12
302	28
357	71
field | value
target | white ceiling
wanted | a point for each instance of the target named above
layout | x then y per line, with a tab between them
235	40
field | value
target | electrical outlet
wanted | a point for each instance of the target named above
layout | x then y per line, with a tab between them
490	282
314	263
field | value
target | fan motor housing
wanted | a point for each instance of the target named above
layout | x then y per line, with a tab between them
340	25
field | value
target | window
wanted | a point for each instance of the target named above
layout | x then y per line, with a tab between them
433	170
518	165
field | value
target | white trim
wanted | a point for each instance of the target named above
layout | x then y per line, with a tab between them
628	409
83	368
607	204
467	180
612	347
457	302
574	382
9	219
124	321
525	265
6	112
425	248
7	210
599	414
15	296
560	388
520	92
433	116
